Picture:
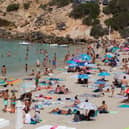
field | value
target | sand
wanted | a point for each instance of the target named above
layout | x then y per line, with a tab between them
117	120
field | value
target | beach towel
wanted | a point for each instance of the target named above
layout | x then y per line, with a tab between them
124	106
113	112
54	127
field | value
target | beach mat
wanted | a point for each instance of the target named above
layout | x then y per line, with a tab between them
61	69
124	106
54	127
113	112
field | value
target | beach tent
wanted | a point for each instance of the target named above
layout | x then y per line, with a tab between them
4	123
54	127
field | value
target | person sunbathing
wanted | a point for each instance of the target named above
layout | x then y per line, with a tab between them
103	108
61	111
76	101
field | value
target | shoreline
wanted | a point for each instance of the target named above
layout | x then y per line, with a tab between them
37	36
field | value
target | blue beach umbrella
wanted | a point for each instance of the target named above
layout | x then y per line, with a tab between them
89	65
84	57
114	49
100	82
108	56
83	76
71	62
104	74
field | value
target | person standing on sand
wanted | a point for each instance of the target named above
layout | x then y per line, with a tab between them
13	102
124	84
3	70
37	79
5	100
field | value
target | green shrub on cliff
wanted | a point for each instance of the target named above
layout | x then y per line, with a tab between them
60	3
26	5
120	11
88	9
12	7
90	21
4	22
98	31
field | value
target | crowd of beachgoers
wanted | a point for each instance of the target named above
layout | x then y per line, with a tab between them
101	67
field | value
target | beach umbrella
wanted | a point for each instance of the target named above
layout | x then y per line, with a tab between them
87	106
109	55
73	65
71	62
100	82
83	76
104	74
85	57
126	49
2	82
114	49
90	65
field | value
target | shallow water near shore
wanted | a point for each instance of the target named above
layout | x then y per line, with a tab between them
13	55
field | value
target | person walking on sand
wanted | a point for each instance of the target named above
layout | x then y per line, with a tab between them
37	77
5	100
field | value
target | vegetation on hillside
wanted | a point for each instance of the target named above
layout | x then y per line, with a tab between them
120	20
60	3
26	5
12	7
4	23
98	31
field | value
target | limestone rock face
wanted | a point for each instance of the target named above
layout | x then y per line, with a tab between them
48	20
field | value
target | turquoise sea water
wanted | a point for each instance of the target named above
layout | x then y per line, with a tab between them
16	62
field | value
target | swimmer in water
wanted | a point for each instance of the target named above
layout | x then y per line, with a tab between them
8	53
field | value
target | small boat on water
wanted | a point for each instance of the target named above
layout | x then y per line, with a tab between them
24	43
53	45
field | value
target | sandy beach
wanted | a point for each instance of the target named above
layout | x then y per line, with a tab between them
116	119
